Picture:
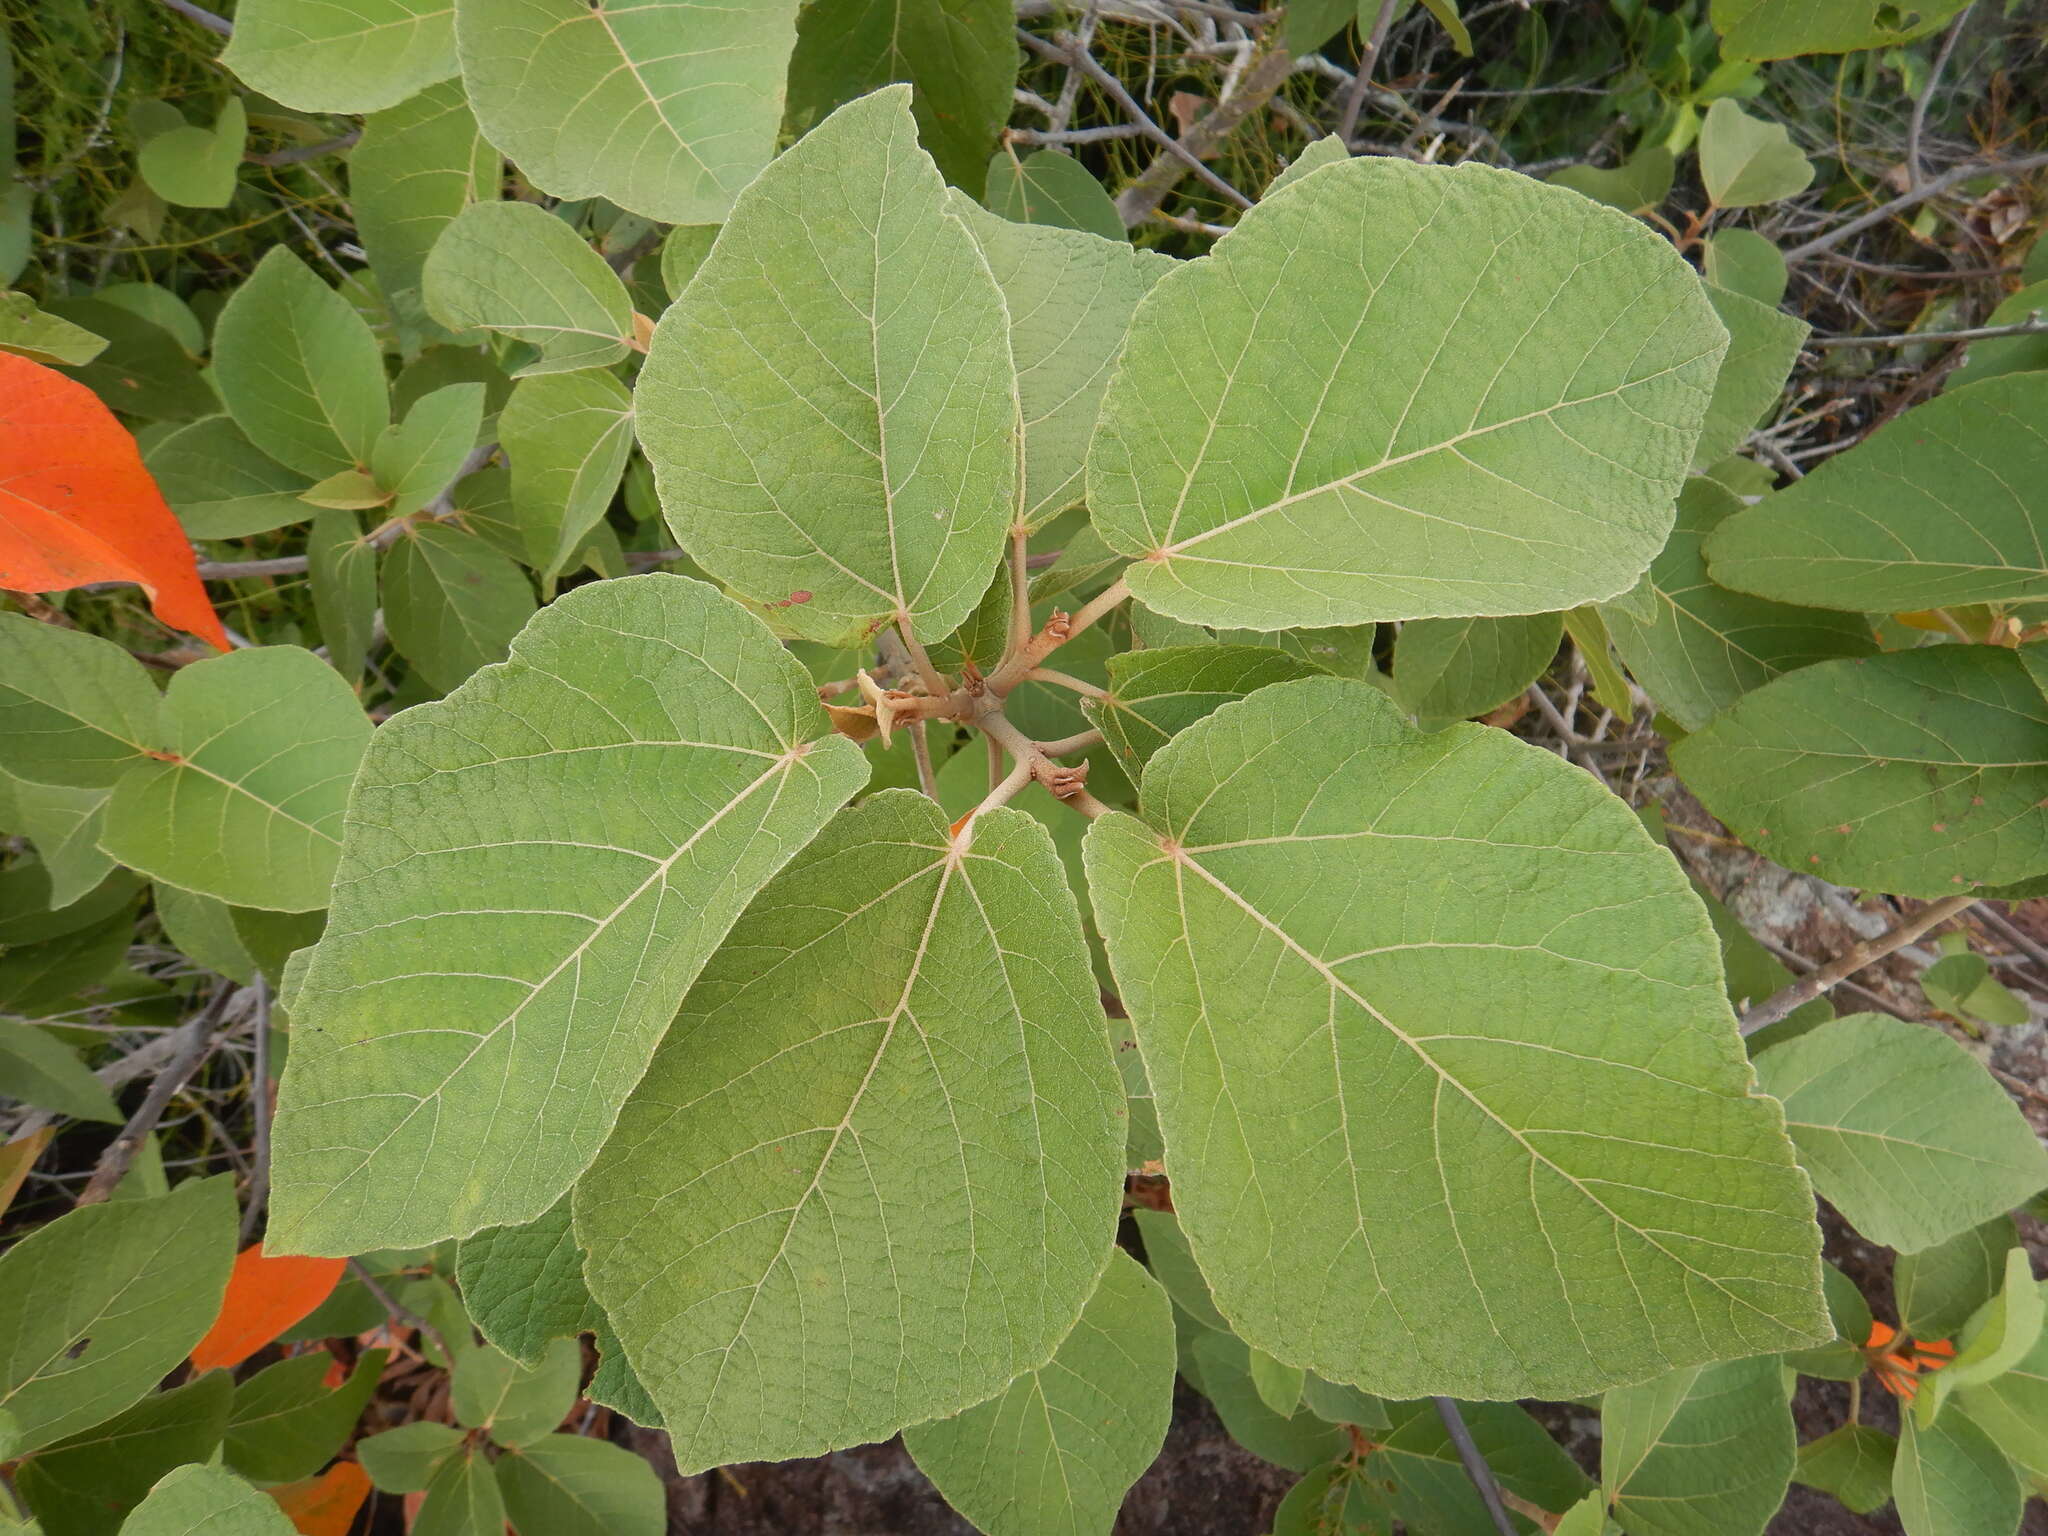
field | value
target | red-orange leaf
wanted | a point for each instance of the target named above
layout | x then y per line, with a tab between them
265	1296
325	1505
76	504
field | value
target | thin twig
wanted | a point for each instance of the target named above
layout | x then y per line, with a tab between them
332	146
2033	325
1354	98
1096	135
2014	935
1062	680
195	1040
205	18
920	661
398	1310
921	750
1475	1465
259	1073
1068	746
1919	119
1869	952
1945	182
1020	591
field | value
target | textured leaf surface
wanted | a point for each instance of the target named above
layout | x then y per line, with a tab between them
1296	1440
515	268
1155	694
415	458
1854	1463
1399	391
1070	298
873	1172
75	709
299	369
1453	669
453	602
514	1404
245	803
1705	1451
418	166
404	1460
1048	187
463	1498
1918	772
568	436
2013	1408
830	406
221	485
1055	1453
1743	261
958	56
666	107
1938	1288
84	1485
524	1285
287	1423
1433	1023
1763	344
325	57
568	1485
1902	1130
77	506
64	824
100	1304
40	1069
539	865
198	1500
1695	646
1948	504
1778	29
1951	1480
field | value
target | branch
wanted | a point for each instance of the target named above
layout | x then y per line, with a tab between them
259	1071
195	1040
1913	199
1869	952
1354	98
2033	325
307	151
1475	1465
402	1313
205	18
1919	119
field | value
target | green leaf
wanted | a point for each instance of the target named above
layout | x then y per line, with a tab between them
1901	1129
1070	298
478	844
463	1498
100	1304
198	1500
404	1460
835	433
1962	986
347	490
1704	1451
1917	772
682	253
1298	1440
1841	1359
1047	187
343	576
418	166
1952	1480
1278	1386
666	107
245	801
41	1070
516	1405
1056	1451
1763	344
144	371
566	1485
300	372
1778	29
1854	1463
221	485
1341	1404
1433	1492
1534	1030
1301	416
958	56
1155	694
198	167
1328	150
360	57
1939	1288
896	1003
2002	1331
517	269
2012	1408
1999	355
452	602
160	307
568	436
1640	182
87	1484
416	458
75	710
1743	261
1172	1263
1454	669
616	1387
524	1284
286	1422
1704	647
64	824
1943	506
1745	160
1446	14
48	339
50	977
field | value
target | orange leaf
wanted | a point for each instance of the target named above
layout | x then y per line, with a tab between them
76	504
17	1157
265	1296
1881	1334
325	1505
